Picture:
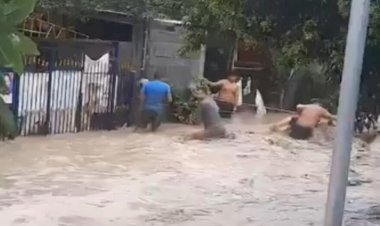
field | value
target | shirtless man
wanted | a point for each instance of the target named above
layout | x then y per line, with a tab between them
213	125
301	126
228	97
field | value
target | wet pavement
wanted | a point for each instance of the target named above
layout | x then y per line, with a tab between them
121	178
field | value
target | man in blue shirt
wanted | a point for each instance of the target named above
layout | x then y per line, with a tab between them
153	96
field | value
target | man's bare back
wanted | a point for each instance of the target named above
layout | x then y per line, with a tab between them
310	115
302	126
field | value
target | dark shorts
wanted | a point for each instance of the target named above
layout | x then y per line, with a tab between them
225	109
150	117
299	132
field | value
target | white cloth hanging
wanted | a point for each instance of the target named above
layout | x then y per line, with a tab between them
100	65
247	88
240	90
261	110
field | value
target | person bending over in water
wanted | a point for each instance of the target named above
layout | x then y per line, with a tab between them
153	95
213	125
228	96
302	125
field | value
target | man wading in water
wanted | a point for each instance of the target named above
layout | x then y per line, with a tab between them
302	125
213	125
228	97
153	96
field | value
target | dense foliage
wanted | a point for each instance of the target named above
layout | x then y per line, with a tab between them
299	33
185	107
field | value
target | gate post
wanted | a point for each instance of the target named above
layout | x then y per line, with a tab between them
51	65
78	109
15	100
115	73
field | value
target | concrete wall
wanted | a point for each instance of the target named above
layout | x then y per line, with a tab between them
164	42
130	53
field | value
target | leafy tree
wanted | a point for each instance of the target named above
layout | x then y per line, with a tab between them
298	32
303	31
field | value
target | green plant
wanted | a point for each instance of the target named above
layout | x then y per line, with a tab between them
185	107
13	44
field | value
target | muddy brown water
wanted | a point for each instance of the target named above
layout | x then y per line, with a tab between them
122	178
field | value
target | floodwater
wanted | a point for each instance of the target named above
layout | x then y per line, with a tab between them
121	178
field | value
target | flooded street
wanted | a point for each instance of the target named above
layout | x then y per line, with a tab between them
120	178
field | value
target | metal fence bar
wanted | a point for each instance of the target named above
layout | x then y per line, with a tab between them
71	103
54	98
68	90
59	104
30	105
21	105
114	73
44	99
60	74
15	99
78	109
52	59
33	101
38	102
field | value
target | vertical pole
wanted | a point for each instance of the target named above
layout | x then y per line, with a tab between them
15	94
349	91
115	75
78	110
51	66
15	100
